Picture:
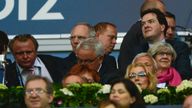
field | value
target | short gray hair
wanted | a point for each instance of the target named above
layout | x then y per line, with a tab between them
161	46
92	44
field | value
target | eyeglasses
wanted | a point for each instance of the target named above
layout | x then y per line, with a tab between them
151	21
37	91
164	53
78	37
87	61
139	74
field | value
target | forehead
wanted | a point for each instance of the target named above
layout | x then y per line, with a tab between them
149	16
23	45
137	69
86	53
39	83
143	59
118	86
80	30
163	49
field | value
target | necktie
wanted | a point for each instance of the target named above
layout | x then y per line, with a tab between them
27	73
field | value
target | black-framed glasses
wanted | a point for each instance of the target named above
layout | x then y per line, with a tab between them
36	91
86	61
139	74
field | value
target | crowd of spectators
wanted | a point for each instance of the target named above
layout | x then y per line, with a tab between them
149	58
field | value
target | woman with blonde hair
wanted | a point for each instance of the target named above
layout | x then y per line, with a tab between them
139	74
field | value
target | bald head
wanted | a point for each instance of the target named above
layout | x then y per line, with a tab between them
149	4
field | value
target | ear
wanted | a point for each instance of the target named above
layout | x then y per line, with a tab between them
132	100
97	35
162	28
51	98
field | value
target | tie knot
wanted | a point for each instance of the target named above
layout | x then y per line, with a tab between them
29	71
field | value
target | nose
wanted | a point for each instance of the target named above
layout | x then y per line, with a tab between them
25	55
33	94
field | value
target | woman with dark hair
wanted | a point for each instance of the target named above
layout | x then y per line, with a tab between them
125	94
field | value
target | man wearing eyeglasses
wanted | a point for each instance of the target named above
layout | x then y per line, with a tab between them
91	52
154	27
79	32
27	62
38	92
135	42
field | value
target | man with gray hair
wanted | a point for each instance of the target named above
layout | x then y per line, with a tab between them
90	52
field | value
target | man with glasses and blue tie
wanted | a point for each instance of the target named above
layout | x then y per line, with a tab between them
38	92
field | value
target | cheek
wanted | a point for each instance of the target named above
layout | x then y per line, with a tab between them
145	82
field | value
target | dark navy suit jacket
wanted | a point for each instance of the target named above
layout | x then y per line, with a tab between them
53	65
134	43
107	72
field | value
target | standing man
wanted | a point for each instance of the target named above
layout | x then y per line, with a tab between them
38	92
24	49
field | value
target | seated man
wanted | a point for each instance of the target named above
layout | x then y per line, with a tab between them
24	49
90	52
38	92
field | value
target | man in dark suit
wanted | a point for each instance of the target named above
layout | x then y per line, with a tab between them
80	32
24	49
90	52
3	51
134	42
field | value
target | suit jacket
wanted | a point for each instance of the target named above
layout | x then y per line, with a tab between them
53	65
134	43
107	72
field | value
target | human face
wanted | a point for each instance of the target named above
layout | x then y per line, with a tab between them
24	53
138	76
121	96
108	38
163	59
78	33
171	28
151	28
72	79
88	77
147	61
89	58
36	95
